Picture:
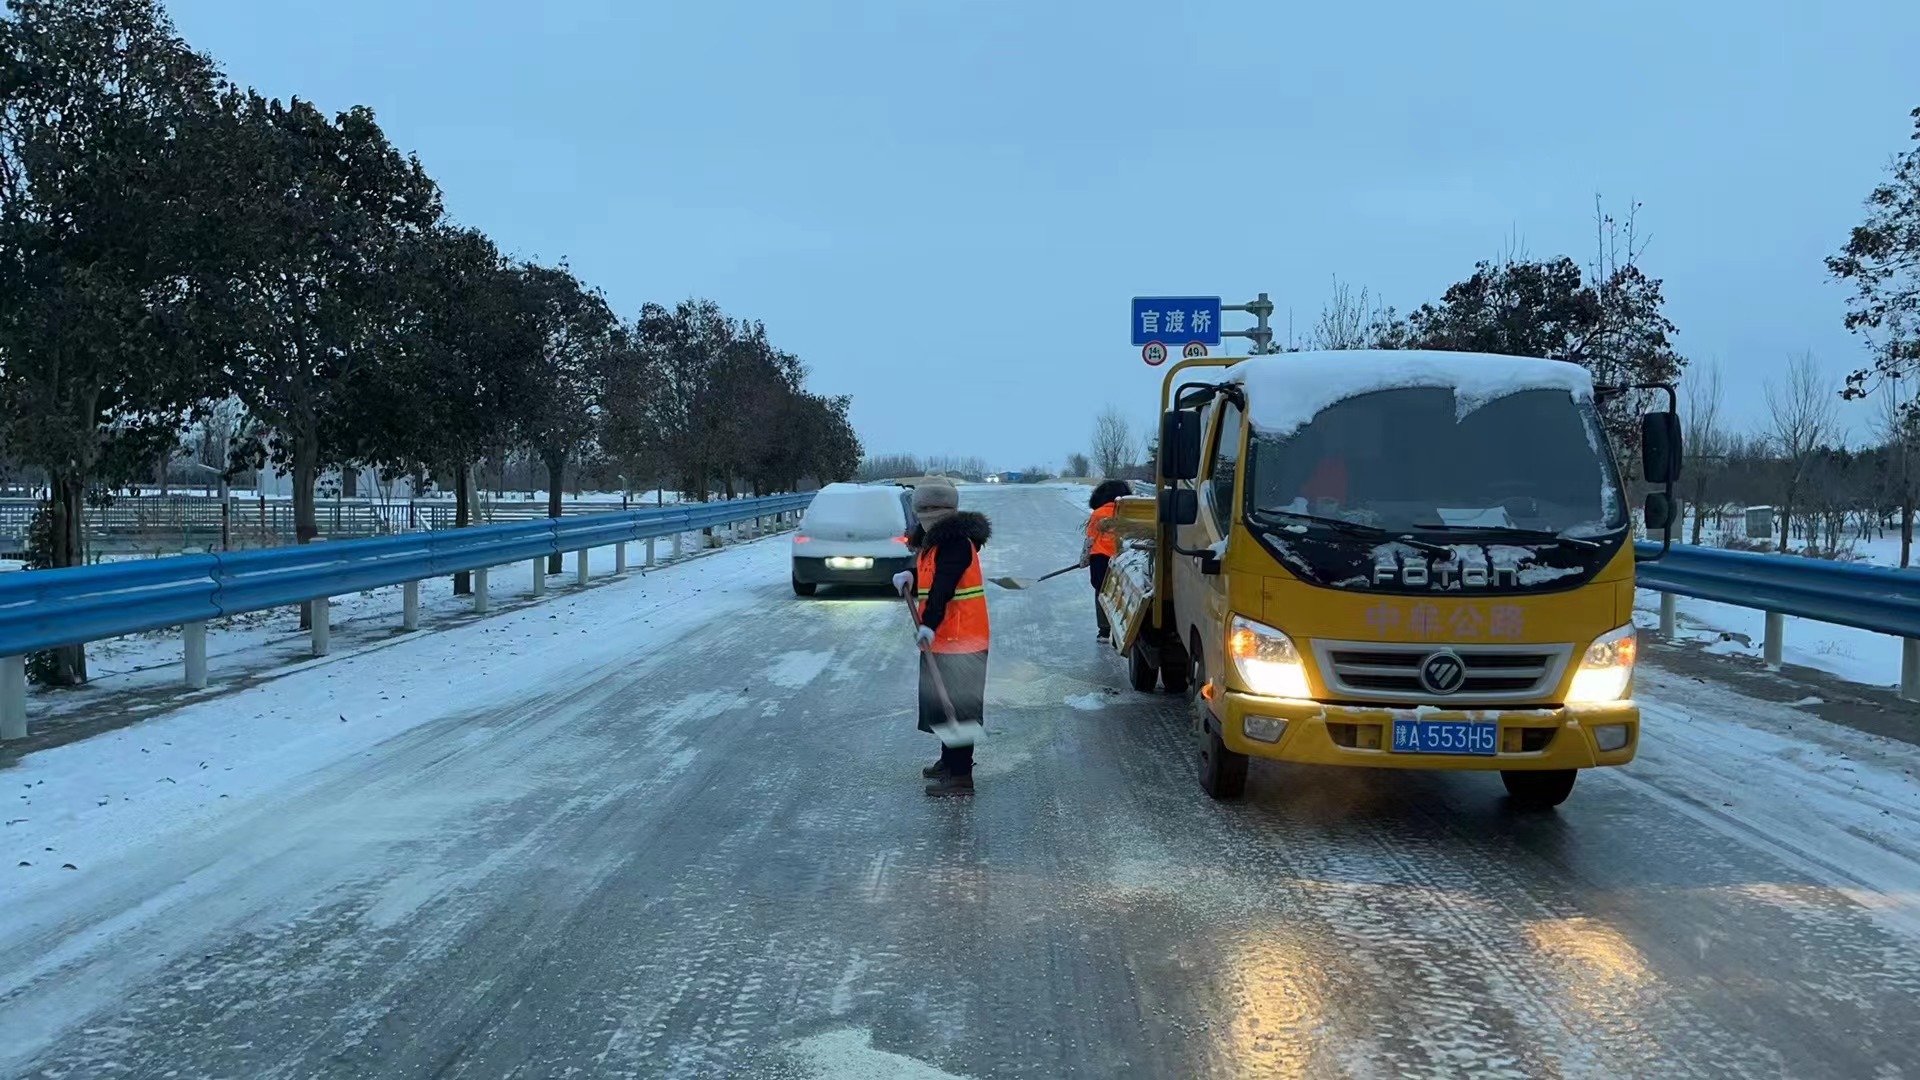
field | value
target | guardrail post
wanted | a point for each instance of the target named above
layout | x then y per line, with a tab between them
193	642
1669	616
13	697
1910	669
322	625
649	551
540	576
582	572
676	544
1776	629
480	603
620	557
410	606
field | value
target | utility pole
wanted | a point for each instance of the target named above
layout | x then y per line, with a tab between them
1262	333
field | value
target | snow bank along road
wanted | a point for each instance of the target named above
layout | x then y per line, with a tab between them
673	827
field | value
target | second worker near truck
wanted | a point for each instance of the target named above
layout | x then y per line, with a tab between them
1102	544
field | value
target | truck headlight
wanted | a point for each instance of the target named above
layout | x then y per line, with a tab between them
1268	663
1607	668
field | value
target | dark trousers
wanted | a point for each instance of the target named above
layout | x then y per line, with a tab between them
1097	571
965	677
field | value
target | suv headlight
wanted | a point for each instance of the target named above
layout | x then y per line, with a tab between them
1268	663
1607	667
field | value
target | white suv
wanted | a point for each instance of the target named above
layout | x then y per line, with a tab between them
852	534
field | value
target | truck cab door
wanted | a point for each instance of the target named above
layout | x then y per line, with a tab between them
1199	598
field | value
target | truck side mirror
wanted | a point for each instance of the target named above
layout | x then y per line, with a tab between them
1179	506
1659	511
1660	450
1179	445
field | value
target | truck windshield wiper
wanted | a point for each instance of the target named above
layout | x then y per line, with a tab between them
1351	528
1537	536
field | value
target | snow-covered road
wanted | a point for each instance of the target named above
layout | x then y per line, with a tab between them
673	826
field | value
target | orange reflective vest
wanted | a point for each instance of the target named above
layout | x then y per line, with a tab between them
1100	532
963	629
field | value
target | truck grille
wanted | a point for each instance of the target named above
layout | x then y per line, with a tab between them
1390	671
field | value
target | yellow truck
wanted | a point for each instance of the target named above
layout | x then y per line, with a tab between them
1413	560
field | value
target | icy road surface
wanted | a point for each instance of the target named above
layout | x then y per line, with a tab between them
677	831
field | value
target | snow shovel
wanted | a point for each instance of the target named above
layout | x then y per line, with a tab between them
953	732
1016	583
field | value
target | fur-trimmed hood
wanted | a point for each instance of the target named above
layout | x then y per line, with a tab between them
1108	491
961	525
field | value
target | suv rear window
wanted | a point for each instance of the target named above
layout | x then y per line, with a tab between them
876	513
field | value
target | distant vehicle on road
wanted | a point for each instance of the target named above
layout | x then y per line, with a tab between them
852	534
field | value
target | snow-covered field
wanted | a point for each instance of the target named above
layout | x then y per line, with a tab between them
263	640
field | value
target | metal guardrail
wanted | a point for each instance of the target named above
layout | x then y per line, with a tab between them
154	523
45	609
1872	598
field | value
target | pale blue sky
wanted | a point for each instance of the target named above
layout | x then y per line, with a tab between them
945	207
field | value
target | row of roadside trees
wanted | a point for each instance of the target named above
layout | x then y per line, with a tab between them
175	248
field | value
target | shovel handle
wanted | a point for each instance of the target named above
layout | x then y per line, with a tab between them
933	669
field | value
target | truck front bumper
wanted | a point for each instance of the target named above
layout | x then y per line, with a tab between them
1327	733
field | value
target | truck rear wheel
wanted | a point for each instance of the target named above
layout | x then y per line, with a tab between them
1539	789
1140	670
1223	773
1174	668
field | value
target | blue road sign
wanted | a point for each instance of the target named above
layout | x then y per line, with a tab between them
1176	320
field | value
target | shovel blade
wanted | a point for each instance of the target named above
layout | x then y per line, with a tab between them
1009	583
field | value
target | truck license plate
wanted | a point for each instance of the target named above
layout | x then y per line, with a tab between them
1445	737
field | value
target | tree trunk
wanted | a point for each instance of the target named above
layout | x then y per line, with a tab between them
68	498
1699	520
306	524
556	477
349	483
463	517
1906	530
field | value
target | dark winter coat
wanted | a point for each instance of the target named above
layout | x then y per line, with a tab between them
952	541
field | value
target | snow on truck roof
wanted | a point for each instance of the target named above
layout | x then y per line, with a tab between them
1285	390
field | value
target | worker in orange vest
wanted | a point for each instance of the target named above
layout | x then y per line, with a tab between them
1102	544
954	633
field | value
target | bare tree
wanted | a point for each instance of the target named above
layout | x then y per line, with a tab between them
1113	442
1801	409
1078	465
1345	321
1706	442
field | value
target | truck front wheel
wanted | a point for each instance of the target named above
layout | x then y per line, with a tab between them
1539	789
1223	773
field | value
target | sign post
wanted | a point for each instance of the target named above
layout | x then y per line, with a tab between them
1261	335
1195	320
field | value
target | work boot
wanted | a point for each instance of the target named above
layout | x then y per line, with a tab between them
935	770
947	786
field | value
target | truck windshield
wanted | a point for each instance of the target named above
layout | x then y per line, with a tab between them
1407	460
